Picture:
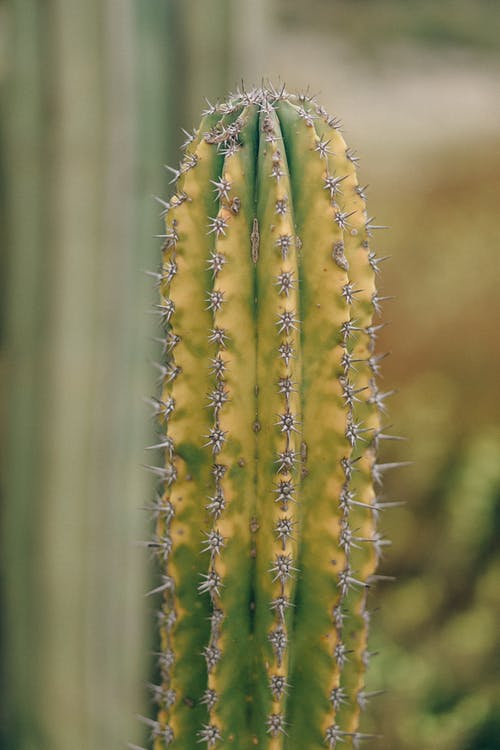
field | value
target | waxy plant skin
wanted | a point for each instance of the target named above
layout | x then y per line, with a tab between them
270	418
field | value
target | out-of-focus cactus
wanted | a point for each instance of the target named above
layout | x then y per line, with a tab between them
73	362
447	599
270	419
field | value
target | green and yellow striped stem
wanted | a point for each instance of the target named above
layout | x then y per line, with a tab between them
270	418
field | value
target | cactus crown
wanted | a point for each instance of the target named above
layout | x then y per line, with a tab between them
269	419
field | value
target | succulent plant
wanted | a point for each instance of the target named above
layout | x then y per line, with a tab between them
270	419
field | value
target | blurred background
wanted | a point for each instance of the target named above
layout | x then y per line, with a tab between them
94	95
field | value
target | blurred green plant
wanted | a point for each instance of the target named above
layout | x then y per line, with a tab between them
79	168
437	628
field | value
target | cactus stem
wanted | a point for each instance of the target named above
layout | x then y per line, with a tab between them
268	298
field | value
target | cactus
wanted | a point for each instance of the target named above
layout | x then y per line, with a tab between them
270	417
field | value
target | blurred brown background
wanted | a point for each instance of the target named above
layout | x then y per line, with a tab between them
93	98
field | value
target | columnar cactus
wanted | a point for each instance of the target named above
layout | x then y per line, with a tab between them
270	419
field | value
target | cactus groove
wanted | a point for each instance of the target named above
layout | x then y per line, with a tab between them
270	418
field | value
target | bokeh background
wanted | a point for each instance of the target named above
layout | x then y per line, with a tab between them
94	95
